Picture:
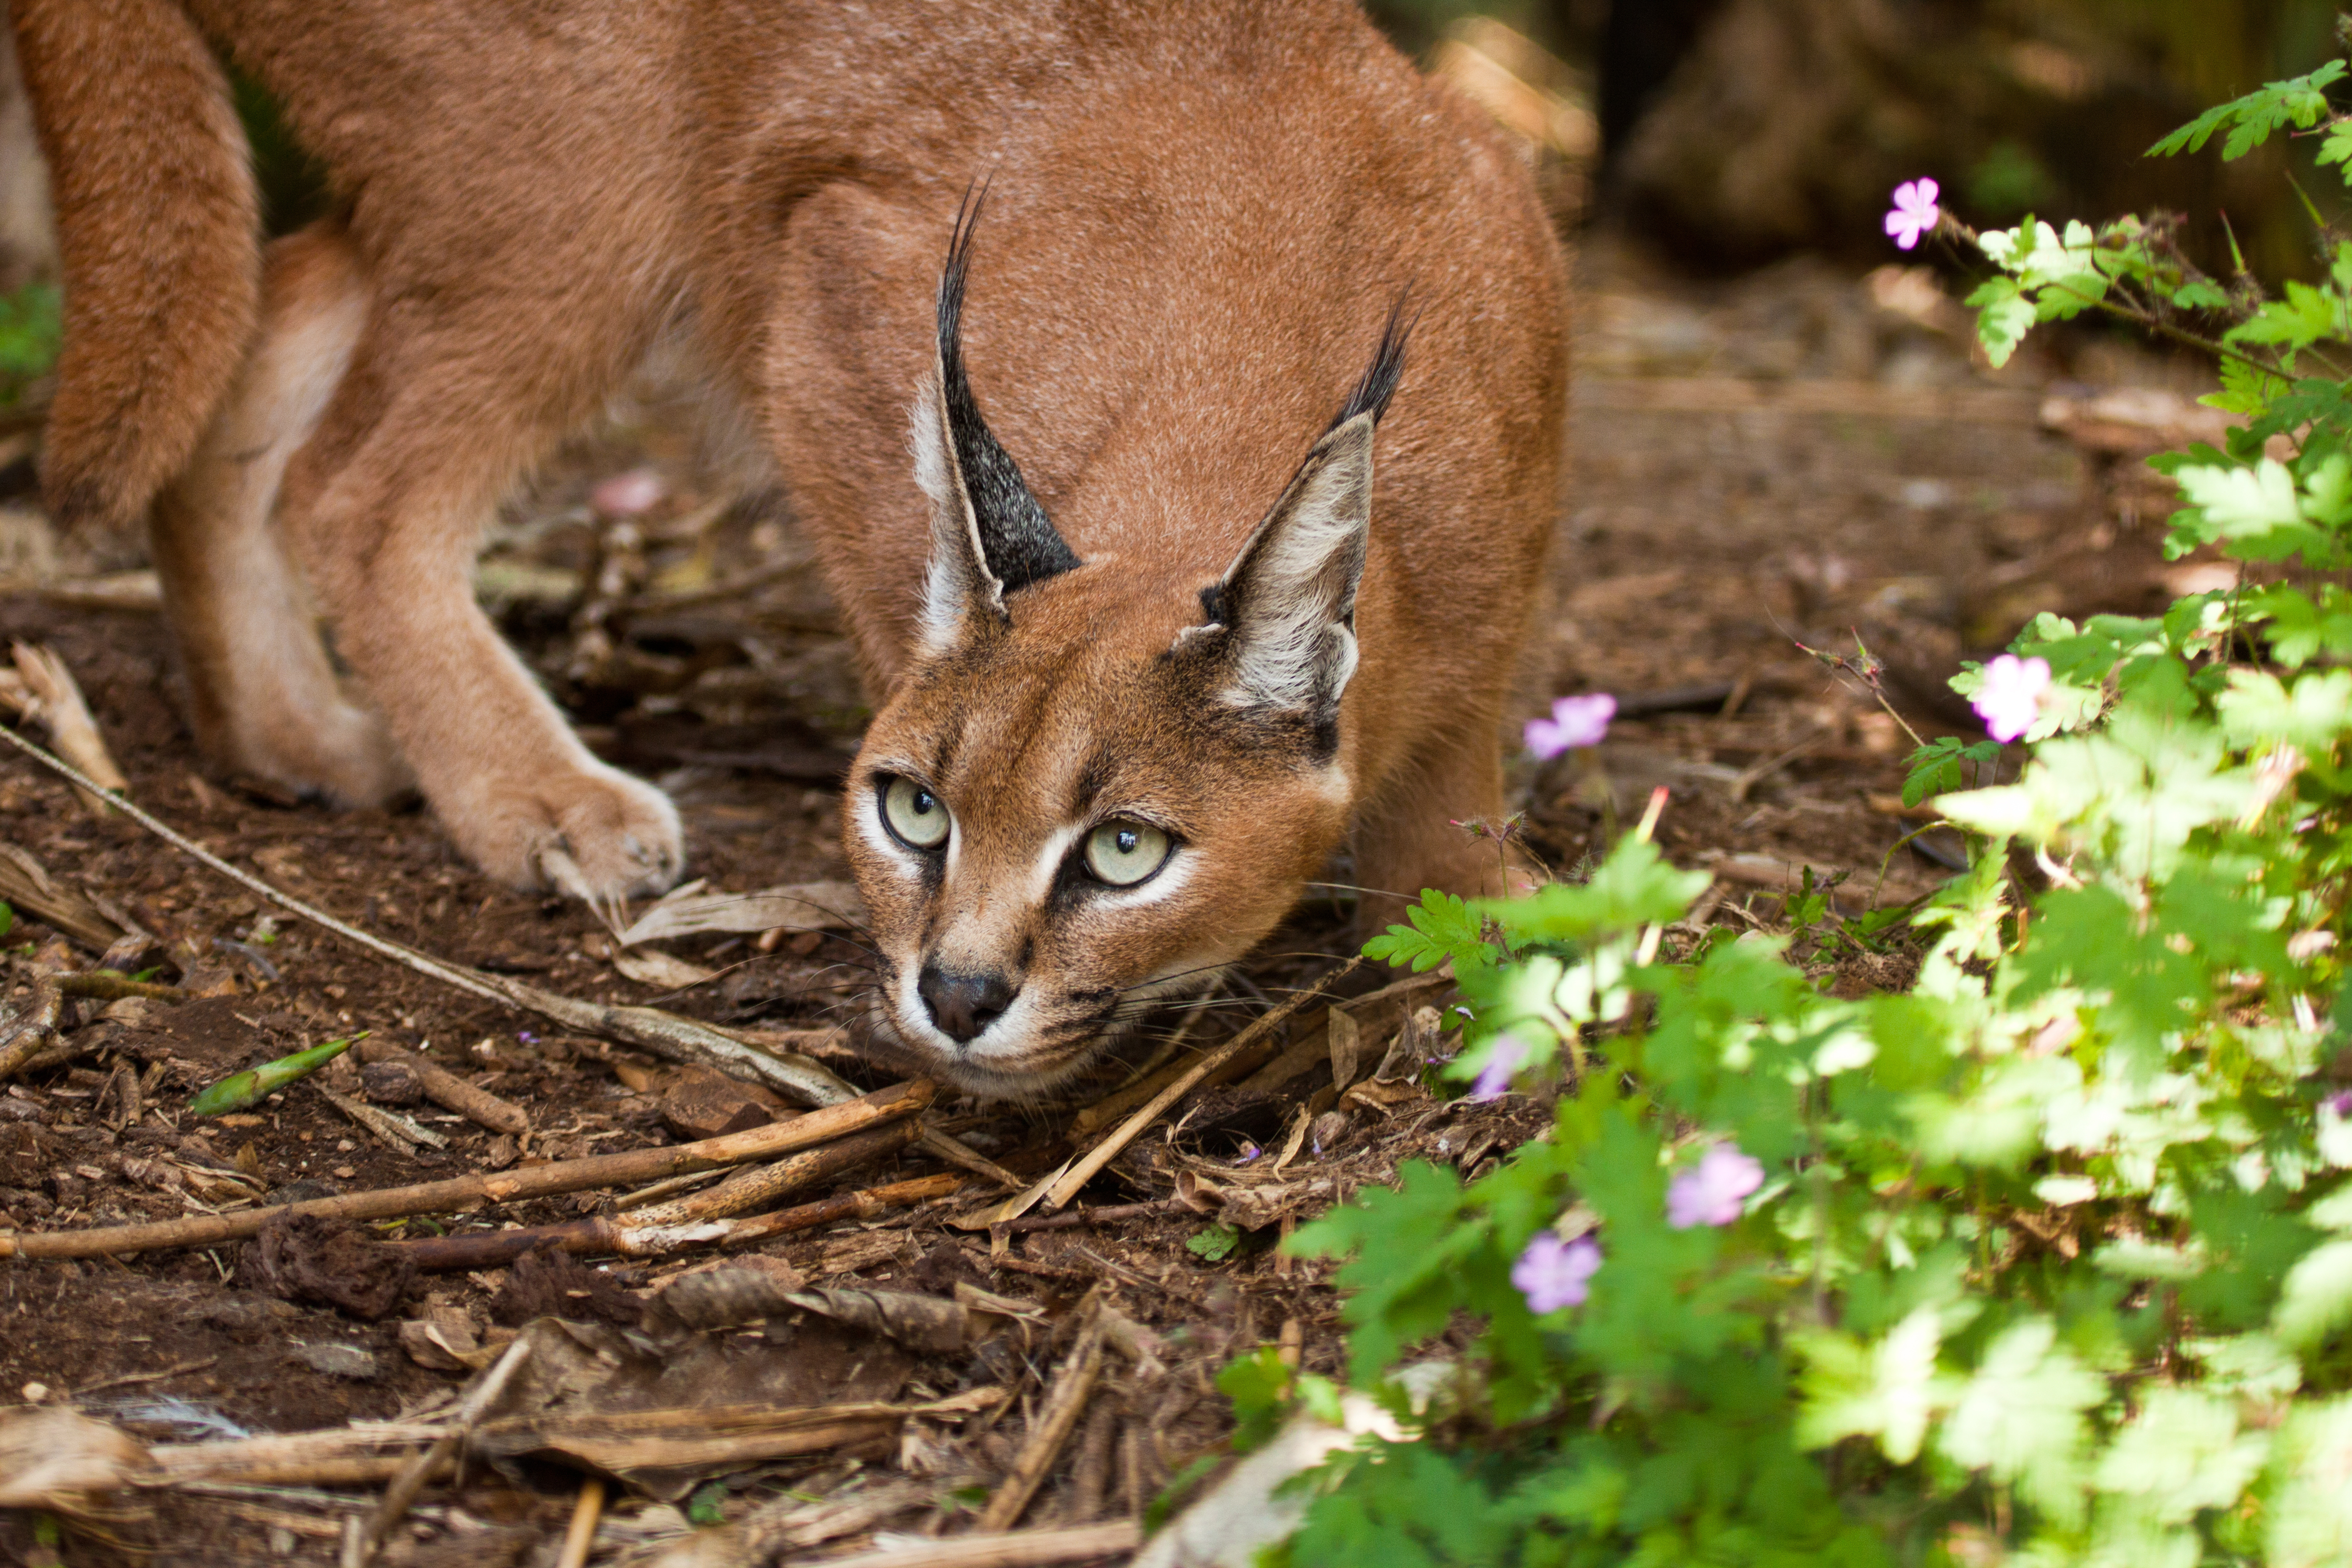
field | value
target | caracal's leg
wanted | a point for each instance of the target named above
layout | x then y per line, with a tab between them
450	393
266	701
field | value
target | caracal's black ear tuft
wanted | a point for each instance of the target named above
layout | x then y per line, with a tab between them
1017	541
1284	611
1378	382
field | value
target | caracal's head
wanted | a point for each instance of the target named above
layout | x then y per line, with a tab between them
1094	785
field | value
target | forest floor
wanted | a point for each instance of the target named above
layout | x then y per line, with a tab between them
1791	459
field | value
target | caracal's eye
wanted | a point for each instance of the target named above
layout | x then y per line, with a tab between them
1124	853
915	817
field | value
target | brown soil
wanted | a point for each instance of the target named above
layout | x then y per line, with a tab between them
1784	460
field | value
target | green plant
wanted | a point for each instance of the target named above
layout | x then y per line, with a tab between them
2048	1260
31	327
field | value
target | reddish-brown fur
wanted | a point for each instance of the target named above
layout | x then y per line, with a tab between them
1198	217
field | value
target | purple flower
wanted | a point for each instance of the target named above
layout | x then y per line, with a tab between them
1502	1060
1552	1273
1915	212
1575	722
2339	1103
2010	697
1709	1192
525	1036
1249	1152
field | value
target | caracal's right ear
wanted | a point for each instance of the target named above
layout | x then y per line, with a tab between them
1282	620
989	535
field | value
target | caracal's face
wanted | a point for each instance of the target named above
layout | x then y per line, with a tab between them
1057	823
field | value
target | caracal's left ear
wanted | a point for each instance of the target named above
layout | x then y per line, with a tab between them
989	535
1285	608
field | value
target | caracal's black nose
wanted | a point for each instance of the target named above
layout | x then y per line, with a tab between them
962	1005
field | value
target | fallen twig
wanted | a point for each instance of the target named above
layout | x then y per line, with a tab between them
1056	1417
702	1437
583	1533
27	884
701	1220
1014	1549
57	702
361	1548
1126	1132
444	1088
401	1133
466	1192
112	985
24	1027
335	1457
1081	1216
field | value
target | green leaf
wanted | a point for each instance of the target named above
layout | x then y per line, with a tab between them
7	918
1214	1243
2299	102
2259	710
1888	1391
1442	926
2197	294
707	1506
2316	1299
2004	315
1260	1387
2020	1417
1634	887
2182	1452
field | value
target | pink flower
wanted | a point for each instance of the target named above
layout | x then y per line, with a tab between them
1552	1273
1575	722
1915	212
2010	697
629	494
1503	1059
1709	1192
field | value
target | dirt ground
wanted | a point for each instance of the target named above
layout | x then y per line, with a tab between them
1793	459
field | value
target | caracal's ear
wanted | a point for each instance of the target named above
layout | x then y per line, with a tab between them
989	535
1286	609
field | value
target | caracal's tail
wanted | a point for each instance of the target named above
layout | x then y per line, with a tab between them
160	240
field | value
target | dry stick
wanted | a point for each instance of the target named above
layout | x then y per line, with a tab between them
1080	1215
291	1457
1127	1131
57	702
386	1127
21	1033
1018	1549
27	883
444	1088
466	1191
665	1034
665	1227
583	1533
1057	1418
111	985
411	1480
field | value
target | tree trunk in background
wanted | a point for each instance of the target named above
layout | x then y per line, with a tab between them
1786	123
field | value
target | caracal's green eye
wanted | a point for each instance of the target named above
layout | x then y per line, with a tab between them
915	817
1124	853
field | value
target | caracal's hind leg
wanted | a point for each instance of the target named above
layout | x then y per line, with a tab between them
265	698
449	395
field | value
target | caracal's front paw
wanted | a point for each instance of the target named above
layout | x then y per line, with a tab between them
342	752
591	832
